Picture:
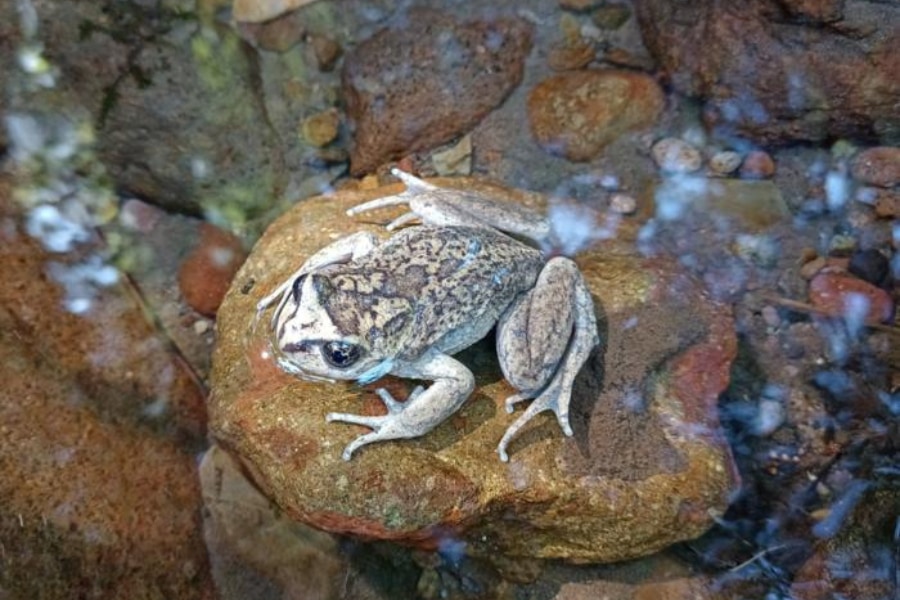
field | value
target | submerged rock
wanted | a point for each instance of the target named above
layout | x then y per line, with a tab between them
646	467
426	80
577	114
775	72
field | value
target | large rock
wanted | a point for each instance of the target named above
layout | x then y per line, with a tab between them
646	467
426	80
777	71
174	102
99	423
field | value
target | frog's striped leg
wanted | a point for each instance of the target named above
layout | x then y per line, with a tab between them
449	206
542	349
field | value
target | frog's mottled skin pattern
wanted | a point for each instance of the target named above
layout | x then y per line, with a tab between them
360	309
426	283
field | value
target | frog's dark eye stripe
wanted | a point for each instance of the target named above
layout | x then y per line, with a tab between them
340	354
295	289
292	348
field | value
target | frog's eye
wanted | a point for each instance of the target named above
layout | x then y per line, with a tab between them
340	354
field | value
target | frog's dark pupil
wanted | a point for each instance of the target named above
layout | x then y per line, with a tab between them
341	354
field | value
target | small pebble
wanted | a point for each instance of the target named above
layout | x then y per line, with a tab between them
837	293
878	166
757	165
842	244
611	16
725	162
326	50
206	273
622	204
579	5
322	128
869	265
455	160
673	155
369	182
571	57
887	204
769	417
812	267
201	326
770	316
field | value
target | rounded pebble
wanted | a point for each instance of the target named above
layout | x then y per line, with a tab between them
869	265
878	166
207	271
673	155
725	162
757	165
622	204
812	267
837	294
322	128
770	316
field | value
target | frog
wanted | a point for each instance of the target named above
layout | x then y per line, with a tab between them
362	308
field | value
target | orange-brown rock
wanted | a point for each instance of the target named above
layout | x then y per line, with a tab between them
777	71
878	166
206	273
646	467
577	114
99	424
837	293
427	80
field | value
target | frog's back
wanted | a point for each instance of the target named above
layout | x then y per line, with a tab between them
455	282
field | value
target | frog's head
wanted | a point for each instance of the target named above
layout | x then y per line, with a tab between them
312	344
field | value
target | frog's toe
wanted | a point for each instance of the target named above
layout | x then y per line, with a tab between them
393	407
367	421
362	440
515	399
554	398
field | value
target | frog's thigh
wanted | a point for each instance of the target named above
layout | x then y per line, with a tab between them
533	333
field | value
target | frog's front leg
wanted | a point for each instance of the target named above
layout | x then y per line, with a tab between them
543	340
424	410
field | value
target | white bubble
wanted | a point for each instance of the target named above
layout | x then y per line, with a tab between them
55	231
837	190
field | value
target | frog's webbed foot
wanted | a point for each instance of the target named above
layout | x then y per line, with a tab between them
384	427
554	397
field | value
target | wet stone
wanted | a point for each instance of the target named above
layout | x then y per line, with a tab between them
841	295
404	95
207	271
673	155
611	16
321	128
646	467
757	165
878	166
725	163
577	114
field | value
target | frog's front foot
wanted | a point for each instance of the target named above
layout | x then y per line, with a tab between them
384	427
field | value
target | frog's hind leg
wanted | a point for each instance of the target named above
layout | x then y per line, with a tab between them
543	340
414	187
